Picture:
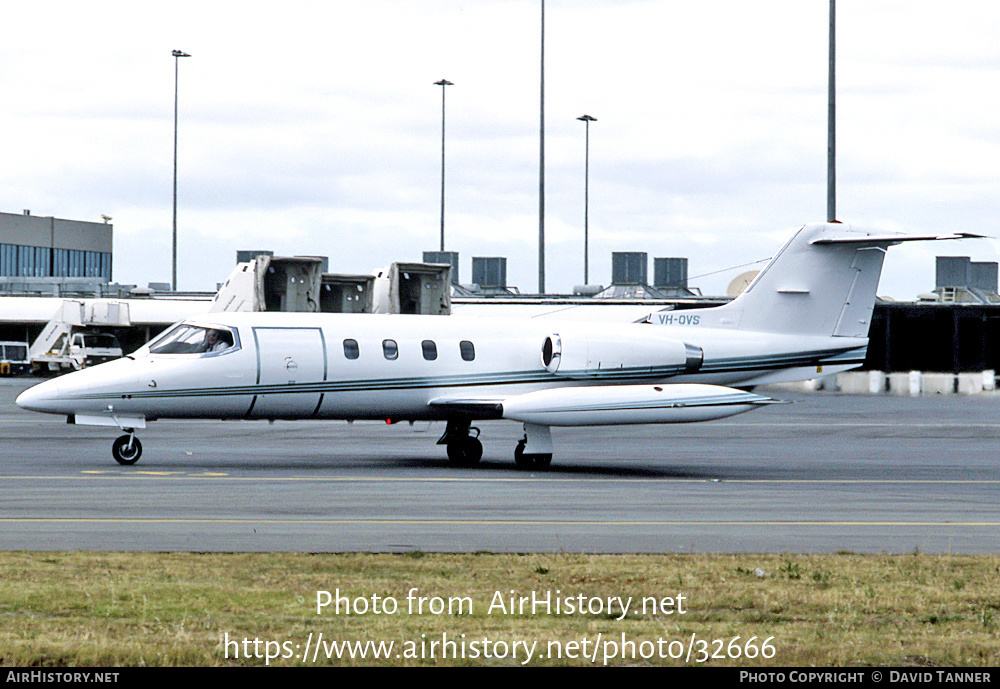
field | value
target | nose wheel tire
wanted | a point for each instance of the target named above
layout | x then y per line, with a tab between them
126	450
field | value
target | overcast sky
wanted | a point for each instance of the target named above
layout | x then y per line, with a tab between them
314	128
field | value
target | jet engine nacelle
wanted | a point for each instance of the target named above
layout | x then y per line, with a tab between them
597	356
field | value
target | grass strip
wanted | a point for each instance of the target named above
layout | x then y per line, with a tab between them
209	609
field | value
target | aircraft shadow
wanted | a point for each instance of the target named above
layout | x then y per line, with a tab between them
436	467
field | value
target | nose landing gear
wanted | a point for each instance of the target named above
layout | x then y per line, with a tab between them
127	449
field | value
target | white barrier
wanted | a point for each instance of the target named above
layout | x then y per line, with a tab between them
913	383
938	383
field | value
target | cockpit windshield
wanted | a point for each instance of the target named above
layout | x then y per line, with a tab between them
195	339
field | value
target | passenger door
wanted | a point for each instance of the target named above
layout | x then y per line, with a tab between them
291	367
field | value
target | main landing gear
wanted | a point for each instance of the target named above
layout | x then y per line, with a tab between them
530	461
464	449
127	449
533	451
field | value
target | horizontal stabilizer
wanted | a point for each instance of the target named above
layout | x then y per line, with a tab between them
893	238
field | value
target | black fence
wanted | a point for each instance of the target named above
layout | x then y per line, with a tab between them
945	338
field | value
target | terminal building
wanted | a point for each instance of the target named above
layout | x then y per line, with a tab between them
33	246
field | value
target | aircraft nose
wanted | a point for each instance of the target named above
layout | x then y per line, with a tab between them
39	397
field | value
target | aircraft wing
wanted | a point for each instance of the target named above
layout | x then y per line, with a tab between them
608	405
470	407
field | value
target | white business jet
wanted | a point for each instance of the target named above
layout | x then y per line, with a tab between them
806	314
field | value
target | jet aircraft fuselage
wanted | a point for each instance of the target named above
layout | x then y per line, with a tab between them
333	366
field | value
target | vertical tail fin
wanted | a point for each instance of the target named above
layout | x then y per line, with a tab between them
822	282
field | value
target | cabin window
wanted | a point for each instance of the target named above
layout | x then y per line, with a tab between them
390	349
430	350
195	339
351	350
468	350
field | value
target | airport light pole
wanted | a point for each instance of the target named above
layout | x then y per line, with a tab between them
831	122
177	54
541	163
443	83
587	119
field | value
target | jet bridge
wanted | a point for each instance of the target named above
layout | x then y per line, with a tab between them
346	293
276	283
414	288
270	283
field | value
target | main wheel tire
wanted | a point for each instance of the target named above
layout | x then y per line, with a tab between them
465	452
522	460
126	452
526	461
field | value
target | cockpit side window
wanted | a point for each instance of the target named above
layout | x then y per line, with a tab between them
195	339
